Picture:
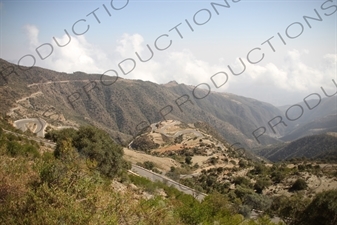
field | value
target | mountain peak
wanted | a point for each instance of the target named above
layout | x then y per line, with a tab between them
171	83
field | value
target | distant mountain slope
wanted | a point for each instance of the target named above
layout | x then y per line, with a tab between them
318	126
320	119
314	147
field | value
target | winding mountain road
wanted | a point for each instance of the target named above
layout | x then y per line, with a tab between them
33	95
40	125
60	81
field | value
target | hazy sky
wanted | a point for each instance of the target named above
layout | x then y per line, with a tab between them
221	35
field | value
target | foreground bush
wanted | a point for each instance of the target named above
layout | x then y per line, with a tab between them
322	210
94	144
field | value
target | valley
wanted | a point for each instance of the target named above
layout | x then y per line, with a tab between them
142	138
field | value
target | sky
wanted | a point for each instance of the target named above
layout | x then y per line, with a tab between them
192	42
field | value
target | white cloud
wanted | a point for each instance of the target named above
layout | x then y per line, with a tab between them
288	83
293	76
129	44
78	55
164	66
271	82
330	60
185	68
33	34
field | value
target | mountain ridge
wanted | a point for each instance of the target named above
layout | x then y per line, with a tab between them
124	107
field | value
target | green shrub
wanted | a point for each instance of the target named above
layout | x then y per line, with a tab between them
188	160
148	165
242	181
289	208
242	163
241	192
55	135
261	184
277	176
259	169
322	210
299	184
245	210
256	201
14	148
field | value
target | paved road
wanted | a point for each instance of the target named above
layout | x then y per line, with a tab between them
158	177
40	125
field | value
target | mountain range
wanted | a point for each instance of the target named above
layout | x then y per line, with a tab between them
124	107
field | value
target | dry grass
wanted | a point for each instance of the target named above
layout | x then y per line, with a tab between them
163	163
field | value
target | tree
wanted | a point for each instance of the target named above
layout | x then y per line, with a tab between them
188	160
277	176
322	210
256	201
63	148
245	210
299	184
289	208
259	169
97	145
216	204
241	192
93	143
242	163
261	184
174	174
242	181
148	165
56	135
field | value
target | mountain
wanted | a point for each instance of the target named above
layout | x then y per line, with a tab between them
321	118
322	146
317	126
126	106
